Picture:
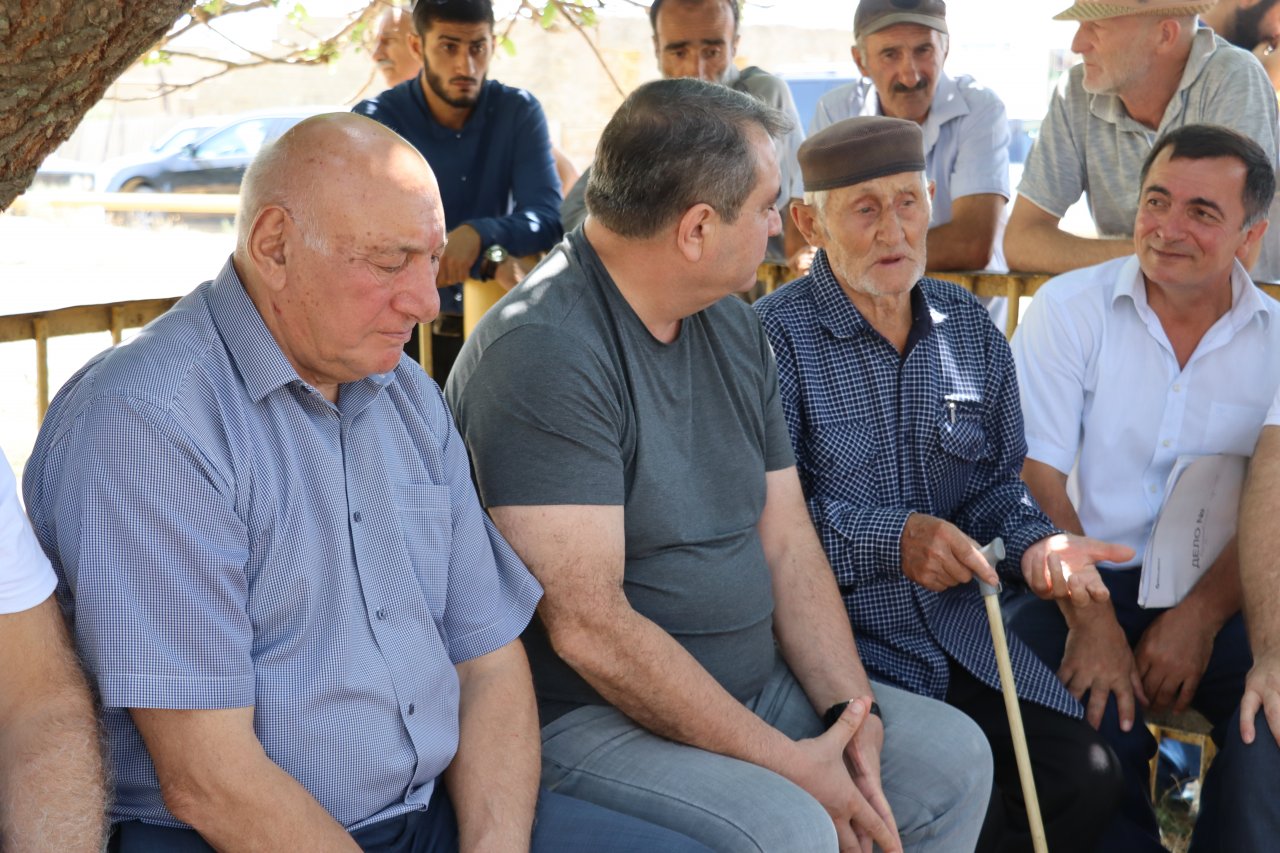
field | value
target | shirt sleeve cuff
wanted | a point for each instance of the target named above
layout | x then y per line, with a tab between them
1055	457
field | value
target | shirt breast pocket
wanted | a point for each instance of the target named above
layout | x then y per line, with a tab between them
962	445
842	455
426	523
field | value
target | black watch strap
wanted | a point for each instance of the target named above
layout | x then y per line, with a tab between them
833	713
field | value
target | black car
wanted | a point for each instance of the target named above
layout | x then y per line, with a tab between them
213	164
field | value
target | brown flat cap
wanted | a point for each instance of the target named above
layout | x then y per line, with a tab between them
1096	10
874	15
859	149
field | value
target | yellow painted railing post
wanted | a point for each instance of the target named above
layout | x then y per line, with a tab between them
40	331
424	349
1014	289
117	324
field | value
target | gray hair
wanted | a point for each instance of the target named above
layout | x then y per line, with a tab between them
817	199
268	183
673	144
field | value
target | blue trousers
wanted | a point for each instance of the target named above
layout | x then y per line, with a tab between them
561	825
1041	626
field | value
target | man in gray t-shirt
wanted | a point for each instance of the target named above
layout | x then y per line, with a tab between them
1147	69
625	427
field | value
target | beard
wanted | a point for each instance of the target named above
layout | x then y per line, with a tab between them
1247	29
436	85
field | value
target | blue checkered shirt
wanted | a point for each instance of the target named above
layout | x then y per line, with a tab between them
226	537
878	436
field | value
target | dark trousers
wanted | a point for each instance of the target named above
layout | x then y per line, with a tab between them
1077	775
561	825
1041	626
1239	808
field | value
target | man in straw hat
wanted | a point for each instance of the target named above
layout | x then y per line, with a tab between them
1147	69
902	404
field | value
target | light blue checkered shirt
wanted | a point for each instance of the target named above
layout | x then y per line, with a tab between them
877	437
227	537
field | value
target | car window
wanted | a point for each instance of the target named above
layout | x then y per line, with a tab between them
239	140
179	140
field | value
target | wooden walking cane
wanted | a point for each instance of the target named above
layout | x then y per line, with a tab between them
994	553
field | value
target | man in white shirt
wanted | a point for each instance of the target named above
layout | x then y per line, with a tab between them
52	791
900	49
1123	368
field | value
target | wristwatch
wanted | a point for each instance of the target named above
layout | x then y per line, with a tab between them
493	258
833	713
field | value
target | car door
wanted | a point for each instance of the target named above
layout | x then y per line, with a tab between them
217	163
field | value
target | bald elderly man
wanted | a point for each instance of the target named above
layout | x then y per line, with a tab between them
902	406
302	625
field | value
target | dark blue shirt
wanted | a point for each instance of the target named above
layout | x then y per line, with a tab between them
878	436
496	174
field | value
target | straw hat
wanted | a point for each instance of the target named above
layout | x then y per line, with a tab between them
1094	10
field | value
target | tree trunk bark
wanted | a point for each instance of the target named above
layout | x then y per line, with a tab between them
57	58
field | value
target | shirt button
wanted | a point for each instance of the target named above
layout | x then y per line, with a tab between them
381	614
1166	442
1152	488
411	709
464	179
356	516
1177	387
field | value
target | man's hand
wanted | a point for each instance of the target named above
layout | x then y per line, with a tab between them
862	755
460	253
1064	566
798	262
1097	660
1261	692
937	555
822	772
1172	657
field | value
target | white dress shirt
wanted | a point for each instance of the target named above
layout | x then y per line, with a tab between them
26	578
1102	390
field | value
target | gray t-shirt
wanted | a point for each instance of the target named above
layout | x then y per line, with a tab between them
1090	144
564	397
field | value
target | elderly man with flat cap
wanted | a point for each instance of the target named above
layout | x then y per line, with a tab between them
902	404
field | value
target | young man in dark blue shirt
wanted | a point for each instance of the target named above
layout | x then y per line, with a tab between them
487	143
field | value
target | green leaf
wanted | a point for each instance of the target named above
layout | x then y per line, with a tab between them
507	45
588	18
157	57
548	14
297	14
213	7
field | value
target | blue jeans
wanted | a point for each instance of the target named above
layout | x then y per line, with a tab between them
936	773
561	825
1041	626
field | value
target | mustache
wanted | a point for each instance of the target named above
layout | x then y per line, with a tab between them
899	89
